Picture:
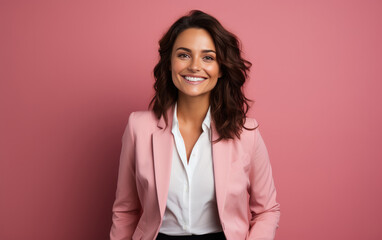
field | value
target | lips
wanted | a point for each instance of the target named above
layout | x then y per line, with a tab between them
193	79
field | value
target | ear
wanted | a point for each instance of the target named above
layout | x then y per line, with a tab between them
220	71
220	74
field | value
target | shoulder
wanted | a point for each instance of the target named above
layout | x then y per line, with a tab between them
251	123
251	127
142	121
250	131
143	117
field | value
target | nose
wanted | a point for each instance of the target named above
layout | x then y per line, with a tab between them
194	65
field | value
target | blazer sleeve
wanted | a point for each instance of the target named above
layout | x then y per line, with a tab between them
265	211
126	207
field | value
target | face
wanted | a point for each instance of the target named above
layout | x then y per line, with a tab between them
194	68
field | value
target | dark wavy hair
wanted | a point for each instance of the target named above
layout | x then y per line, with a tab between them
229	106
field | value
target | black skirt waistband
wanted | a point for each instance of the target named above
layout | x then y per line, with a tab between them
210	236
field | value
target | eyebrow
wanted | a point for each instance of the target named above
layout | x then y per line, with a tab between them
188	50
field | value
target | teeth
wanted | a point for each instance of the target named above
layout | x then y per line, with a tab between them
193	79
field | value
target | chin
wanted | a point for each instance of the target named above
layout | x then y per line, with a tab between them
195	94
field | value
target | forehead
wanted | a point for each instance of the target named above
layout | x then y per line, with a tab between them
194	39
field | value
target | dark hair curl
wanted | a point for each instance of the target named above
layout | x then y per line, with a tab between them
229	106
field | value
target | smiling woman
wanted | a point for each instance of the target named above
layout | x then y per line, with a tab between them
194	166
194	69
228	104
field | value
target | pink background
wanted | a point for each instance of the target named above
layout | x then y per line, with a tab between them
72	71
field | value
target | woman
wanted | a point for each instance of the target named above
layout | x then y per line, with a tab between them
194	166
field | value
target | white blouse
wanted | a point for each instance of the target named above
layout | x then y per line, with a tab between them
191	203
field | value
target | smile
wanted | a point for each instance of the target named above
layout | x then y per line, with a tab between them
193	80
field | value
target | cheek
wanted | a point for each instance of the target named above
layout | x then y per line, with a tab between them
176	65
175	68
174	79
213	70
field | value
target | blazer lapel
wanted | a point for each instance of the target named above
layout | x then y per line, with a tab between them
162	149
220	152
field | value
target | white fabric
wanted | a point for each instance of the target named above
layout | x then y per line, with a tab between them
191	204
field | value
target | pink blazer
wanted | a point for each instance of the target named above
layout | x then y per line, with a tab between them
245	192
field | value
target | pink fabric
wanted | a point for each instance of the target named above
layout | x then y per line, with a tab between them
245	192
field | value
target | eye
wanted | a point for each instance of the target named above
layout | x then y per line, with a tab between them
209	58
183	55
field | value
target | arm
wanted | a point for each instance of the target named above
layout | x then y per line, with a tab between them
126	208
265	211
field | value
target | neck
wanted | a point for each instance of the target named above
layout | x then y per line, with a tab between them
192	109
